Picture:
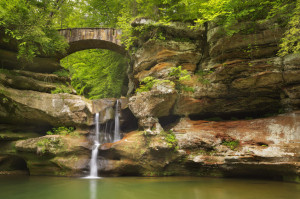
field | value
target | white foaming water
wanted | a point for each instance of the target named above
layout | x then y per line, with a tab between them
105	137
117	123
94	158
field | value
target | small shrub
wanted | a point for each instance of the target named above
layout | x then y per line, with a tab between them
148	82
170	138
179	74
62	130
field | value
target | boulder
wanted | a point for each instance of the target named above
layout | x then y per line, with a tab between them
137	154
55	155
38	108
155	103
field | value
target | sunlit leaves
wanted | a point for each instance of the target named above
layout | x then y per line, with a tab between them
96	73
30	24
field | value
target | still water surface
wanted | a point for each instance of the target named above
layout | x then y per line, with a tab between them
144	188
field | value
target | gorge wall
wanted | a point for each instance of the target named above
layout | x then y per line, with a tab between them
237	114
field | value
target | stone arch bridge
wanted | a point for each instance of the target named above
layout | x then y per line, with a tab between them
93	38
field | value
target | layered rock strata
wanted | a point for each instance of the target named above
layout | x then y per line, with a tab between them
265	148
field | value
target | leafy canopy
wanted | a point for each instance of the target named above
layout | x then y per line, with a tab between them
30	24
97	73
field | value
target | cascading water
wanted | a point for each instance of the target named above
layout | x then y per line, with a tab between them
102	136
94	158
117	136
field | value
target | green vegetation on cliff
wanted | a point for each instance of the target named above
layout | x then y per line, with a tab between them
33	24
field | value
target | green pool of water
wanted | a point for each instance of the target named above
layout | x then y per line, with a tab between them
144	188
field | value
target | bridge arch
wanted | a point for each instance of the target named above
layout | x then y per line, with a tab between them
93	38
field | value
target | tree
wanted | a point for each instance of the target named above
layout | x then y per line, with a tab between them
30	24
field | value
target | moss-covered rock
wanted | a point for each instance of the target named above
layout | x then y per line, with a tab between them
55	155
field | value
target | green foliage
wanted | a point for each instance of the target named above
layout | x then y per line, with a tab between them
62	89
97	73
62	73
291	41
33	24
179	74
148	82
170	138
231	144
62	130
30	25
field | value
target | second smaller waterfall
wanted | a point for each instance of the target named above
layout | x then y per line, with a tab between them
117	136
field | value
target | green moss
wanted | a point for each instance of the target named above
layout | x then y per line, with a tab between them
60	173
206	152
49	145
231	144
294	178
42	145
202	76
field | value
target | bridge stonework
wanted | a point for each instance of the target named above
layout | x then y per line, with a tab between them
93	38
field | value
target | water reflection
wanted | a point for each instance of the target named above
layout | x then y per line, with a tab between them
144	188
93	189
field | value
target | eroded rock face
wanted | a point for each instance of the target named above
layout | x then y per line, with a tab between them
52	109
267	147
9	60
237	75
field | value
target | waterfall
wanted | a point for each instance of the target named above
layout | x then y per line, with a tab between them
117	123
106	136
94	158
